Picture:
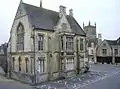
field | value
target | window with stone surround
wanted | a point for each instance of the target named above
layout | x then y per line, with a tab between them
104	51
69	63
13	63
62	42
26	62
91	51
20	37
19	62
116	51
81	44
40	42
69	43
41	63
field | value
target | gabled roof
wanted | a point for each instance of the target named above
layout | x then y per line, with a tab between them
46	19
111	42
114	42
118	41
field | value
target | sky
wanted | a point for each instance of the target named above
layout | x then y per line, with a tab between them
106	14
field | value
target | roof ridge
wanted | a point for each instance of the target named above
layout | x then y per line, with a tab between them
40	7
46	19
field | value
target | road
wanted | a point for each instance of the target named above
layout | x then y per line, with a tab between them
102	76
111	81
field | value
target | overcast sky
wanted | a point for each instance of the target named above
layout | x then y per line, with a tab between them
106	14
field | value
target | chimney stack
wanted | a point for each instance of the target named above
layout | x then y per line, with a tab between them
62	10
99	38
89	22
71	12
95	24
83	24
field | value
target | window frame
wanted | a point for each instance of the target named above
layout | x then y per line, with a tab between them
19	62
62	43
69	61
26	64
20	37
40	42
41	64
13	63
69	43
116	52
81	44
104	51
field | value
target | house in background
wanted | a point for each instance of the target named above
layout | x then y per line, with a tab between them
109	51
45	45
92	41
3	56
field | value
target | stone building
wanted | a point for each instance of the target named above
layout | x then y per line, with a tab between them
109	51
3	55
45	45
92	41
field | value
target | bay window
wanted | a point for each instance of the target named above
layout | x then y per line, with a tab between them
69	43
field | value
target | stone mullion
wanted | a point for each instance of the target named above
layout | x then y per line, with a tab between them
84	51
75	59
64	49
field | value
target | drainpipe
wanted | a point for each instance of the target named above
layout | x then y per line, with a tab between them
34	72
77	57
59	57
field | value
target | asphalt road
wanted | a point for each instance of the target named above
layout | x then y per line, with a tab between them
110	82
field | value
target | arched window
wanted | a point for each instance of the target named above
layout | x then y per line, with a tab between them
20	37
19	62
26	62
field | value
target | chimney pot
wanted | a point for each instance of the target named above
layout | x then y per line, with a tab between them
71	12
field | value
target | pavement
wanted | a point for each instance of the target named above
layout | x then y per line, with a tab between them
101	76
6	83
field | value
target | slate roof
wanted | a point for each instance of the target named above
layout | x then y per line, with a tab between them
111	42
46	19
114	42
